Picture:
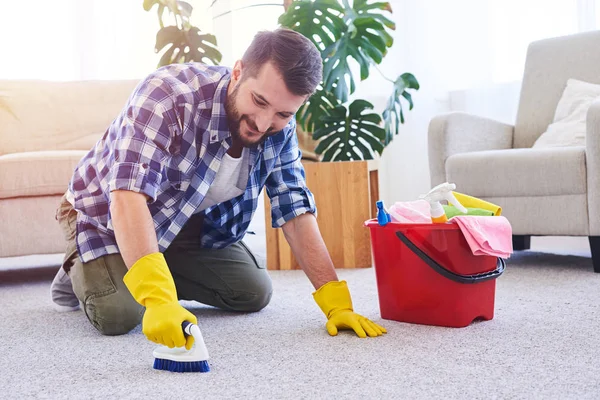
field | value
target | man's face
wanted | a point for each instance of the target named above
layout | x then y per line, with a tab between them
258	107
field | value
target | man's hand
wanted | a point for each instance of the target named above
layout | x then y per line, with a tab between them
149	280
162	325
302	233
334	300
151	284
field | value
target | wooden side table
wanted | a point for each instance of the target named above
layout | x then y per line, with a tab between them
346	194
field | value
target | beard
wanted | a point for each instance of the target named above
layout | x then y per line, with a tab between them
235	121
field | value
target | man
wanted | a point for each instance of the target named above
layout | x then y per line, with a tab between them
156	211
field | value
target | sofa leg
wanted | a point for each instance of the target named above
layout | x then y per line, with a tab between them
521	242
595	248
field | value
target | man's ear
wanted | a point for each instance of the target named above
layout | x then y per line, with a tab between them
236	72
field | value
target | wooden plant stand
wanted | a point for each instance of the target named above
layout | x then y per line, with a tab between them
345	193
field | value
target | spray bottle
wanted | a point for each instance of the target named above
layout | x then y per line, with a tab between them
437	194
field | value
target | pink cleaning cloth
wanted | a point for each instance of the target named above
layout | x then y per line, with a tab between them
486	235
411	212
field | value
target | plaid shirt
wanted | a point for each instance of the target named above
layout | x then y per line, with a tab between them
168	143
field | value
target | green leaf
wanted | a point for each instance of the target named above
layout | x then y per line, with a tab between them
205	44
161	11
393	115
327	142
168	35
363	4
319	105
384	20
359	32
301	17
351	133
148	4
168	56
365	150
330	153
173	5
186	46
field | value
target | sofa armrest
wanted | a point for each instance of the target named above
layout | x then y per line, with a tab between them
592	160
458	132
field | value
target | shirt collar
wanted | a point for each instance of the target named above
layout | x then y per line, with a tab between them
219	127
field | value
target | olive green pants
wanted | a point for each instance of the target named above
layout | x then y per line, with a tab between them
229	278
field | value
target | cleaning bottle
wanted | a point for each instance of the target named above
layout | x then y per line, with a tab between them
383	217
439	193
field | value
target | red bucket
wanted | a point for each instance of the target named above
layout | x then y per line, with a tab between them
427	274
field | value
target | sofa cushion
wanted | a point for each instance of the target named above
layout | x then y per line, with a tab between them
37	173
41	115
519	172
569	125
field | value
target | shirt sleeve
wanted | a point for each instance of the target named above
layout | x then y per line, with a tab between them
286	185
143	135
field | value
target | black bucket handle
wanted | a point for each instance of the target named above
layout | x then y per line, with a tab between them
477	278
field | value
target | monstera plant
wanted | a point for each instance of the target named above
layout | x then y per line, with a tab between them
183	41
344	32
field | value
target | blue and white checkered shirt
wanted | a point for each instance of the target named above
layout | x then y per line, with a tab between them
168	143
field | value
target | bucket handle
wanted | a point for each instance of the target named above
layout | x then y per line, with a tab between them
482	277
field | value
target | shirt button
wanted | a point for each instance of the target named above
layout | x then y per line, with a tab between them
144	165
177	186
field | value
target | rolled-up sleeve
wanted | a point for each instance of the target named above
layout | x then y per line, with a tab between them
286	185
142	140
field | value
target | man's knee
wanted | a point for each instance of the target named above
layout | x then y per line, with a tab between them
257	297
113	314
260	301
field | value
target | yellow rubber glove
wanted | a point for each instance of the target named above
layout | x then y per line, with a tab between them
151	284
334	299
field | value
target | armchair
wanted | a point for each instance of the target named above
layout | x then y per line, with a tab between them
543	191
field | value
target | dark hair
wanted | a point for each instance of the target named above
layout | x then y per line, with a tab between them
292	54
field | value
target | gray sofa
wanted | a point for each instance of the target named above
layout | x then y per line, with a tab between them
545	191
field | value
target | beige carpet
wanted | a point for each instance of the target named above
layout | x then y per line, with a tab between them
543	343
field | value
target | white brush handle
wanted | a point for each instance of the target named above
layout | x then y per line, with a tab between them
194	330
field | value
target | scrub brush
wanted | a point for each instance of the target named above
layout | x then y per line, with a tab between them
179	359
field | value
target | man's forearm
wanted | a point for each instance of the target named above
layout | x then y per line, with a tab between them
304	237
133	225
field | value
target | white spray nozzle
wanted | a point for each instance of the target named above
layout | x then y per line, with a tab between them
443	192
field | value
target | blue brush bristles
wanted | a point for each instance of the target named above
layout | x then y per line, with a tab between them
180	366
